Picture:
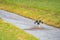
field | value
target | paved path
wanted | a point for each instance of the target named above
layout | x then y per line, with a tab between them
49	33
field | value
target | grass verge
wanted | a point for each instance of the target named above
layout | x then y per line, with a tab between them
46	10
11	32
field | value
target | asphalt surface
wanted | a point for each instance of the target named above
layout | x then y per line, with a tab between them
48	33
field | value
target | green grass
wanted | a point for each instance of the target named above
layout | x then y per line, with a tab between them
47	10
53	5
11	32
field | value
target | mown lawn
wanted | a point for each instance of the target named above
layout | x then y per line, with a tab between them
11	32
46	10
